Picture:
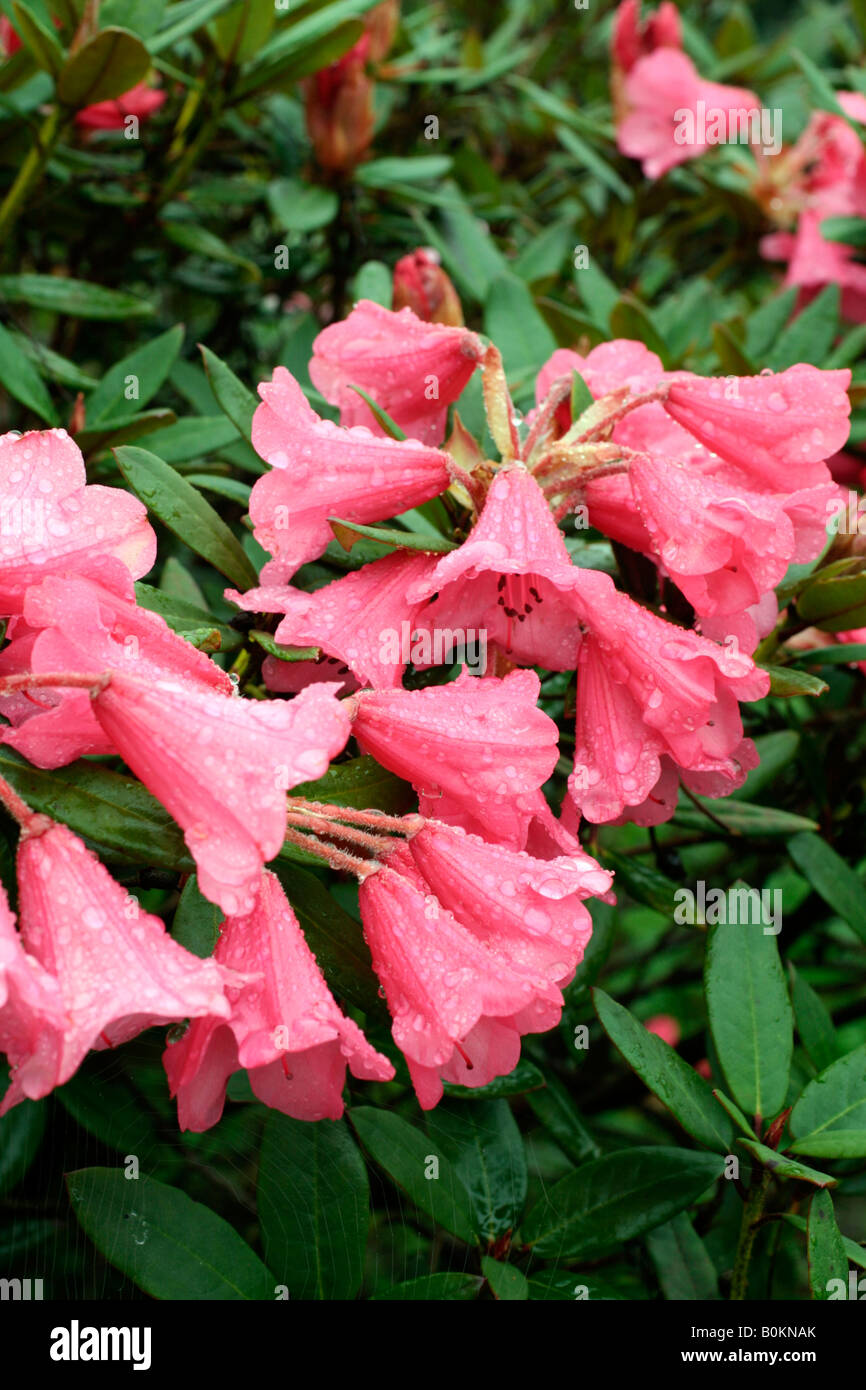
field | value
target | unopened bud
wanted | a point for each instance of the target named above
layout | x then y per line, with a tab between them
421	285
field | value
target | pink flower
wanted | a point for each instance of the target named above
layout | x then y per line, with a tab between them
778	428
412	369
510	579
71	623
420	284
458	1008
666	1027
632	40
52	522
221	767
814	262
476	751
117	969
363	619
9	40
32	1018
285	1027
321	470
140	101
664	100
647	691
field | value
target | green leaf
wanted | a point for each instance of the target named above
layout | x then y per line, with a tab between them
848	229
524	1078
810	336
846	654
21	1132
783	1167
735	1113
167	1244
241	31
361	783
644	883
485	1146
38	39
113	433
195	437
201	242
823	94
22	380
348	533
391	169
766	323
516	326
598	293
617	1197
685	1270
382	418
829	1119
185	512
776	752
855	1253
786	682
75	297
374	281
110	1109
109	808
434	1287
195	16
143	17
186	618
333	936
555	1109
238	403
300	207
825	1248
407	1156
835	603
149	365
631	319
196	924
266	641
105	67
814	1024
581	396
282	69
676	1083
589	159
741	817
750	1015
507	1283
52	364
314	1206
840	887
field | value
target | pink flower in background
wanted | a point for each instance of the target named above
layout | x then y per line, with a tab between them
413	370
364	619
71	623
420	284
476	750
117	969
140	101
32	1017
221	767
321	469
666	1027
9	40
659	94
632	39
814	262
53	521
285	1028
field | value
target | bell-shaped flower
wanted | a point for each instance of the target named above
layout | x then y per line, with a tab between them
32	1018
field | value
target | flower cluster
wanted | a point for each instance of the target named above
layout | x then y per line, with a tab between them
473	907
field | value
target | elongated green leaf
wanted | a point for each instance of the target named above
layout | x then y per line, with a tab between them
105	67
731	1108
810	336
186	618
167	1244
485	1146
833	1108
185	512
741	817
240	32
282	70
314	1206
848	229
196	14
233	397
362	783
196	437
814	1023
855	1253
781	1166
197	921
750	1015
787	681
382	418
199	241
434	1287
507	1283
824	1247
643	882
553	1106
617	1197
686	1094
22	380
110	1109
38	39
333	936
835	603
631	319
21	1132
348	533
684	1268
524	1078
135	379
831	877
75	297
415	1163
515	325
106	807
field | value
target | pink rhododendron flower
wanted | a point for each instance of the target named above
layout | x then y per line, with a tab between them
140	101
71	622
476	750
285	1027
510	578
412	369
321	469
662	97
32	1017
420	284
632	39
458	1009
222	767
364	619
814	262
666	1027
117	969
54	522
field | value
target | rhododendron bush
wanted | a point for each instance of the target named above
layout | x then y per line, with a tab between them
434	635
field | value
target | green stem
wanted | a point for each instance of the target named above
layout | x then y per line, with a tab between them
752	1213
31	170
193	153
